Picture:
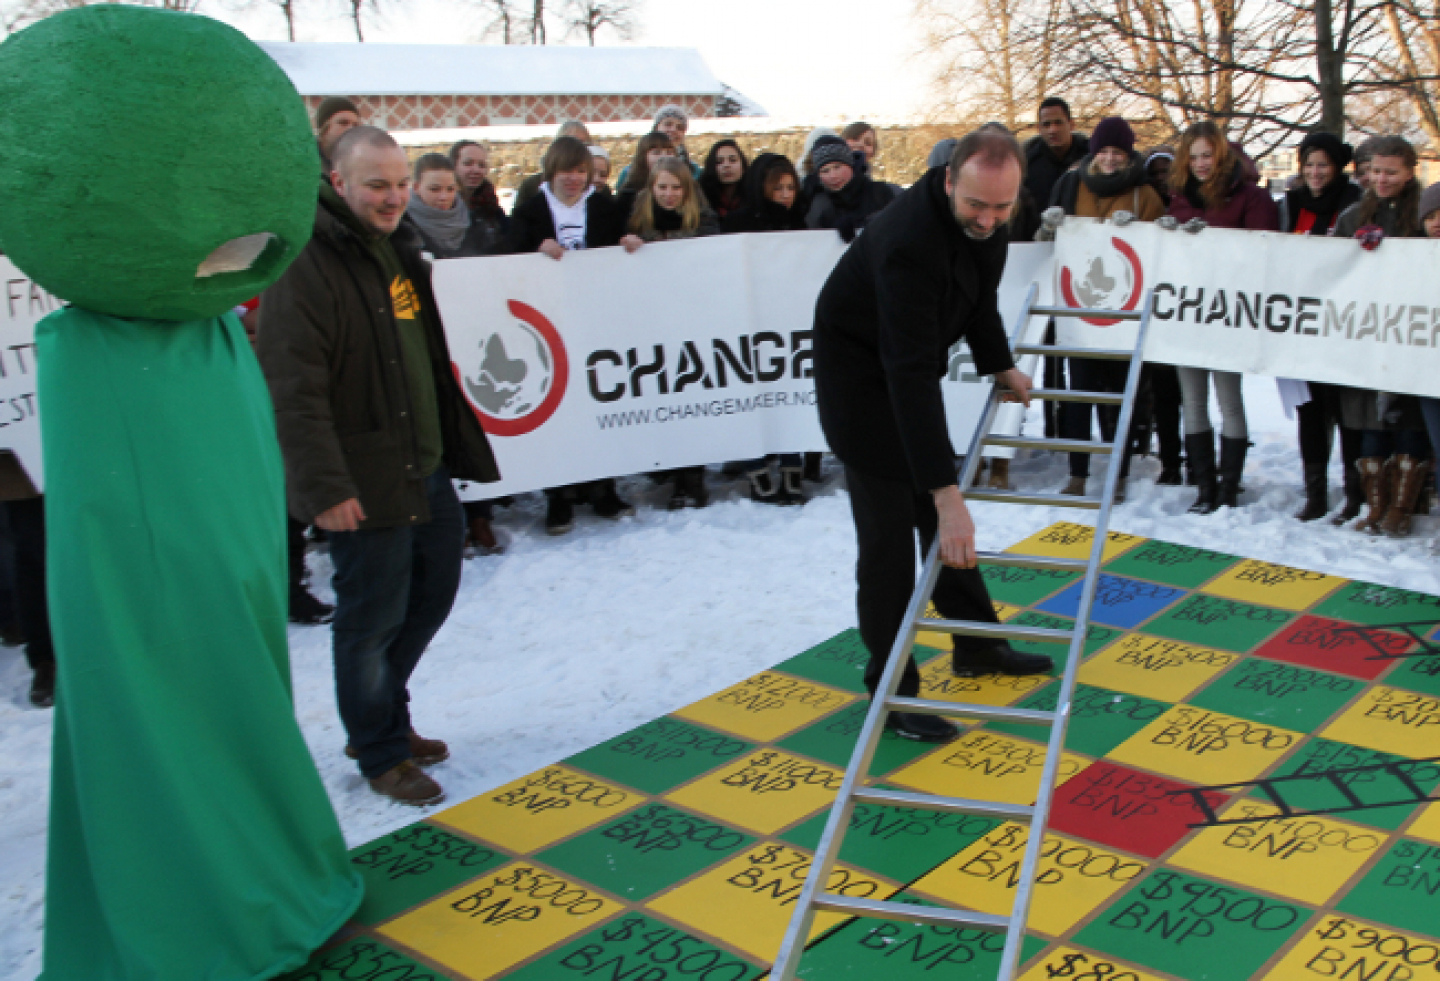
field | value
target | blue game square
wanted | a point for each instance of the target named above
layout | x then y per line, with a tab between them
1119	602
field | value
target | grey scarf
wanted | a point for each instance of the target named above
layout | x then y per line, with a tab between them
445	228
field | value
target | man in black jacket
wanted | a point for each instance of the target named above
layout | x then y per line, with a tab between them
923	275
373	427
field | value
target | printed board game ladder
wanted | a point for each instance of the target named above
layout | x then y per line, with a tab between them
813	898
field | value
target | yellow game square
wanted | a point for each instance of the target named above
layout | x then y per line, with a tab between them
1153	667
1071	962
1427	825
1067	540
1302	858
1391	720
983	765
748	901
492	923
1204	747
766	791
938	682
1072	880
942	642
540	809
1268	584
1339	947
767	706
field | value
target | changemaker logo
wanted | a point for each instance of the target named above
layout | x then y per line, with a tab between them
520	376
1113	280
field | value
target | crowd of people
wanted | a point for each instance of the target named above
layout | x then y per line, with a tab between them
383	218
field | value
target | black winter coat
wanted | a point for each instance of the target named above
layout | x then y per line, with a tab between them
853	206
759	214
330	349
1043	168
532	223
910	287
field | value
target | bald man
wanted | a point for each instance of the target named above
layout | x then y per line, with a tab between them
923	276
373	427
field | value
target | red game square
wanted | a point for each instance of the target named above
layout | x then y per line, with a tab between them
1337	645
1124	808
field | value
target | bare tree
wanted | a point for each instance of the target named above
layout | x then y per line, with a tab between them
536	22
357	9
504	23
1414	29
588	16
18	14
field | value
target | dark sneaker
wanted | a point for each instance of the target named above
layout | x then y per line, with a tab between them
423	752
305	608
42	687
408	784
922	728
608	504
559	517
999	659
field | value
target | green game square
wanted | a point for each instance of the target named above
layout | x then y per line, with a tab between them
832	740
1374	605
839	661
415	864
1193	928
1212	621
1173	565
1096	636
1418	674
1402	890
897	843
1278	694
889	950
1319	757
645	851
1100	719
1024	587
362	958
636	948
660	755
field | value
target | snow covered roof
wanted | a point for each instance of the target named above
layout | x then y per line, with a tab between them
355	68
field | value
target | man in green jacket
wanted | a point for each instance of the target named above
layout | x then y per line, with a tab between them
373	427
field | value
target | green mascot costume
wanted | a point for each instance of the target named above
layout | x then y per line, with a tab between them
157	169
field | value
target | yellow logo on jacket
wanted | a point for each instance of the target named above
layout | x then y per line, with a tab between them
404	299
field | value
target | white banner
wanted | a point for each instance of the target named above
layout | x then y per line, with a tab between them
1295	306
690	352
25	304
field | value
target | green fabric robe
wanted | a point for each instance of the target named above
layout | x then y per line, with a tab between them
190	835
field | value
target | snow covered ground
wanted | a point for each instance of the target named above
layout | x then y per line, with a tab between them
561	643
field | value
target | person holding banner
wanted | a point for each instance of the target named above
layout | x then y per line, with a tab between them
923	276
1214	184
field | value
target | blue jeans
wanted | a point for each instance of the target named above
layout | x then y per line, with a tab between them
1384	442
393	590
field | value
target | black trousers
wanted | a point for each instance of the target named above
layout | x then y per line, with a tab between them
27	523
888	515
1318	419
1090	375
1165	402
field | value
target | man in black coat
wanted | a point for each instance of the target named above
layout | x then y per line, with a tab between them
923	275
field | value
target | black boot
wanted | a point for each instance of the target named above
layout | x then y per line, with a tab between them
1317	495
1354	482
1232	464
1200	455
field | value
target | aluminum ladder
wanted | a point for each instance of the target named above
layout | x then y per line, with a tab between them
813	899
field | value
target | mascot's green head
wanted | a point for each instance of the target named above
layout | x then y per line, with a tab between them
153	164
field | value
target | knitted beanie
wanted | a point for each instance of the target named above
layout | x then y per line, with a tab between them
329	106
1113	132
1336	149
1430	200
831	149
668	111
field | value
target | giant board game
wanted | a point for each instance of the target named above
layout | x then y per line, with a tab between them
1245	795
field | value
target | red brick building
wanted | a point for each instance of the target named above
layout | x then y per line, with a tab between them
435	86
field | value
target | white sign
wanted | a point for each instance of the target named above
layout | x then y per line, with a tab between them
689	352
1296	306
24	305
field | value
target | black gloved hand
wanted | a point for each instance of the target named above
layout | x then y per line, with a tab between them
848	229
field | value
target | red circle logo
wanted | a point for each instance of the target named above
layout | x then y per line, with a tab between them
1102	283
522	376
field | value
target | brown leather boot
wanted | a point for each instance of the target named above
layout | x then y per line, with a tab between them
1409	480
1375	477
406	783
423	752
480	537
999	473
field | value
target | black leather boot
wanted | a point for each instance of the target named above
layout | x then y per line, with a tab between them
1200	455
1232	464
1317	495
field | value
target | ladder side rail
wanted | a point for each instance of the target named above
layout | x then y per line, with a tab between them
1020	911
827	850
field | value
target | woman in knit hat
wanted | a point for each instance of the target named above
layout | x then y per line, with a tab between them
673	122
847	196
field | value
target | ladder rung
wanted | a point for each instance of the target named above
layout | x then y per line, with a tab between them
969	710
951	805
1057	445
1093	314
1098	353
931	915
1065	395
1045	500
975	628
1045	563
